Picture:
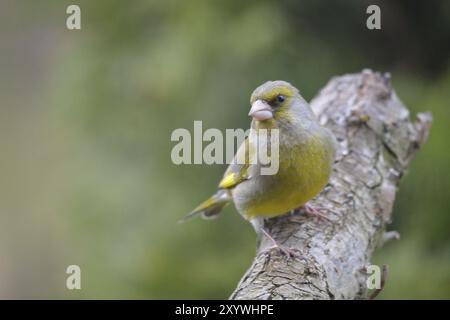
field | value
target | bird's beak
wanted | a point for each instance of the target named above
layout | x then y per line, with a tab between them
260	111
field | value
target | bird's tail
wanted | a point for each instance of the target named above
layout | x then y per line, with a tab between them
210	208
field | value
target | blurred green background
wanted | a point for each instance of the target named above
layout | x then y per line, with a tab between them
86	118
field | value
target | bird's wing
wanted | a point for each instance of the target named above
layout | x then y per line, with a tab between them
237	171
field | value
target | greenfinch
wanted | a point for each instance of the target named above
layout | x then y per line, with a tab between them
305	150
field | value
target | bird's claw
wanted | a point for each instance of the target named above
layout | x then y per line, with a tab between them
313	211
286	251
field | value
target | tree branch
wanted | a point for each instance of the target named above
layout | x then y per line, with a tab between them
377	141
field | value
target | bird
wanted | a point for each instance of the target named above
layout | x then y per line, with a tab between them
306	152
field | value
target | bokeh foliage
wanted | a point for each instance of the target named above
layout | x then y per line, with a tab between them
87	115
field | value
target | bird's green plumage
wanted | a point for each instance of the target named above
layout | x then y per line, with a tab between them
306	153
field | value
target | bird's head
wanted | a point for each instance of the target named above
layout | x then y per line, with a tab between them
273	100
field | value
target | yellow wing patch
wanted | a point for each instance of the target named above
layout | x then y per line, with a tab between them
230	180
237	170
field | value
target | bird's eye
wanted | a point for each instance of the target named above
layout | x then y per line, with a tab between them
280	98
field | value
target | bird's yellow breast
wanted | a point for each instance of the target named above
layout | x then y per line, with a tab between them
303	172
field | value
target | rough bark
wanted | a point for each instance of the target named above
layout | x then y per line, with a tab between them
377	141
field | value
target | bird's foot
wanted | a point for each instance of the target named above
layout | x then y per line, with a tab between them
313	211
288	252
